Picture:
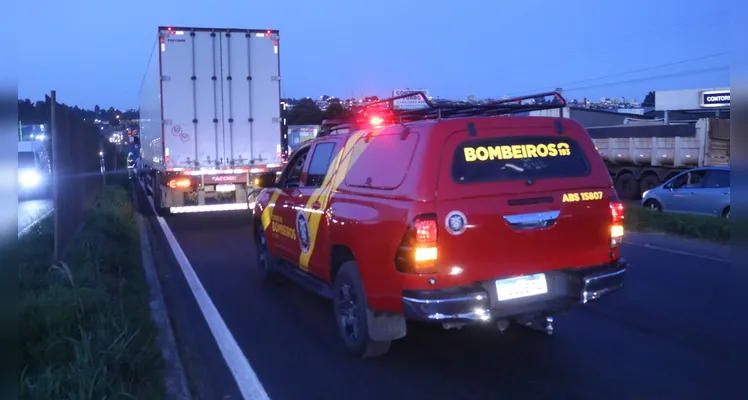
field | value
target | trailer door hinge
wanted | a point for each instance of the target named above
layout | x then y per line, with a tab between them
165	78
275	78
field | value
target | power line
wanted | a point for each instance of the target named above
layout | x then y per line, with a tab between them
672	29
628	72
670	75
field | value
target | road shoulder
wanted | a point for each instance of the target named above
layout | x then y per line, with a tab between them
207	374
676	244
175	381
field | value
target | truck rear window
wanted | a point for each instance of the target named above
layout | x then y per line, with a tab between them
518	158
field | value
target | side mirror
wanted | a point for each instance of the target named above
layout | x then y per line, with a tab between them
266	180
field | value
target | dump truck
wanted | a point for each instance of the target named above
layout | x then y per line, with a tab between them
641	154
211	117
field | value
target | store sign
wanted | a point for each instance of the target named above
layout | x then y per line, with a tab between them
413	102
715	98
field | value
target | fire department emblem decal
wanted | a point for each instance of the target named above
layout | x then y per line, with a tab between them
456	223
302	227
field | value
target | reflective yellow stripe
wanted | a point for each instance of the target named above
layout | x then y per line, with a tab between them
334	177
267	213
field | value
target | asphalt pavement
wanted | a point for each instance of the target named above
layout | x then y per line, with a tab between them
674	332
31	211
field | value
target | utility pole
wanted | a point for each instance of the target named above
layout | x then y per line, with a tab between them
55	172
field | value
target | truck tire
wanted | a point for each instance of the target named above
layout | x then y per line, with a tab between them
649	182
627	187
157	201
351	307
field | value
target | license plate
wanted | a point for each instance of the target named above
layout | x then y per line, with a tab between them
225	187
523	286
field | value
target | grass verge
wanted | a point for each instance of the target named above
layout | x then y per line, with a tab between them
85	328
714	229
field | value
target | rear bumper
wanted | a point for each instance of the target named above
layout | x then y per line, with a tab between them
566	289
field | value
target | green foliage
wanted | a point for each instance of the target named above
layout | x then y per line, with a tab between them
305	112
38	113
85	326
693	226
336	111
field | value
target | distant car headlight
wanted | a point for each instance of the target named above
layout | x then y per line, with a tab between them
29	178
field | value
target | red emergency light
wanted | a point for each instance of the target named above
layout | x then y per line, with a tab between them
376	121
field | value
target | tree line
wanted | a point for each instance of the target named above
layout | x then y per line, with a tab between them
307	112
303	111
38	113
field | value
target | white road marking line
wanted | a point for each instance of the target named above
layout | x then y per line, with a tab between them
685	253
28	227
245	377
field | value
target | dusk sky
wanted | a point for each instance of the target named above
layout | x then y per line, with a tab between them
95	52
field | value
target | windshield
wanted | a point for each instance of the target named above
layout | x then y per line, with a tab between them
26	160
518	158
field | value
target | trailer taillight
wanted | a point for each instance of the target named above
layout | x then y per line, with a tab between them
181	183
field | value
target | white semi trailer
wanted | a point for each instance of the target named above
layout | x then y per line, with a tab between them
211	119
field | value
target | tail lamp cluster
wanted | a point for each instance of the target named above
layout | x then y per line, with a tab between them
616	226
180	183
417	253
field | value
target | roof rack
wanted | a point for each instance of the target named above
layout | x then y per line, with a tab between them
495	108
433	111
331	126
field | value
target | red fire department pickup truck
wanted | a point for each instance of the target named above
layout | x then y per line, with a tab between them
454	215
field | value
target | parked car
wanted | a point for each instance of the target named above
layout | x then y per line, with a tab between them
704	191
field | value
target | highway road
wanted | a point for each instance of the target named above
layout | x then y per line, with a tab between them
31	210
673	333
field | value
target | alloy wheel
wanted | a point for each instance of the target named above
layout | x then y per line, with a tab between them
349	312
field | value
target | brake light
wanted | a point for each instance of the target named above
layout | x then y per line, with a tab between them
180	183
425	230
616	226
376	121
418	249
616	210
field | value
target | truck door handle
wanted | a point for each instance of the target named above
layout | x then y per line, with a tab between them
316	205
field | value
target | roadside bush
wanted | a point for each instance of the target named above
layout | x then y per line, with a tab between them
715	229
85	327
